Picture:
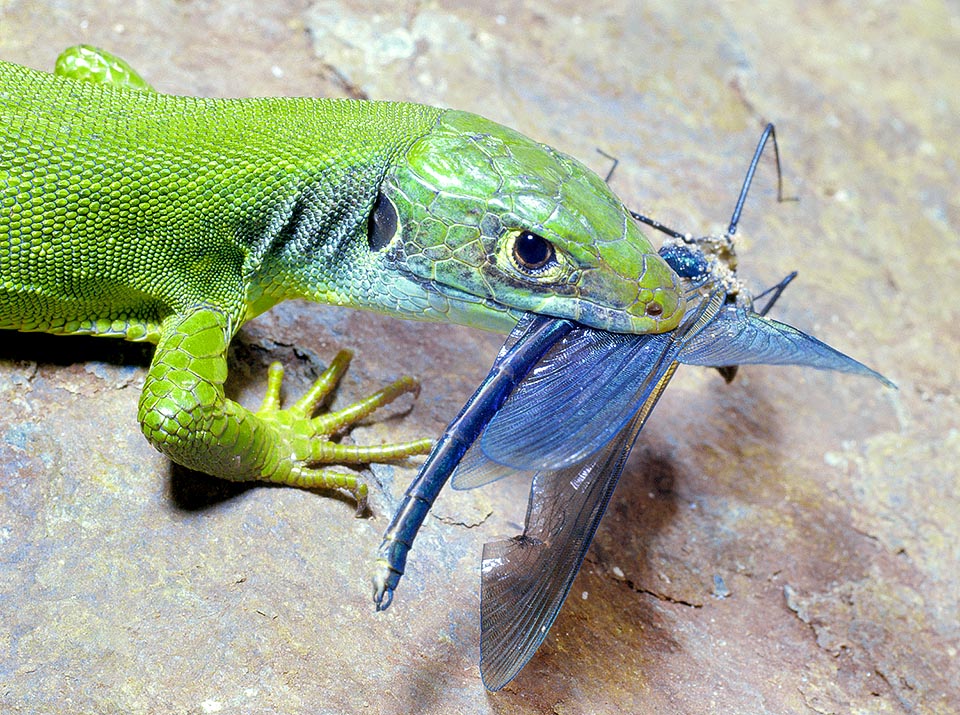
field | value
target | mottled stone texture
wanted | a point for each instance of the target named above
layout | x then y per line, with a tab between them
823	507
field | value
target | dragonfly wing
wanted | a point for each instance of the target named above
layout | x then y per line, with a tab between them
476	470
556	418
525	580
583	391
738	336
576	399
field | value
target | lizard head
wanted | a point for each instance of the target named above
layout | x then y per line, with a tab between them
494	223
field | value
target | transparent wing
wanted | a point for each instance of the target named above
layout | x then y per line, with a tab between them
582	392
476	469
738	336
572	403
525	580
541	415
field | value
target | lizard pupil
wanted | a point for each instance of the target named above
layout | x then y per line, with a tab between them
532	251
382	224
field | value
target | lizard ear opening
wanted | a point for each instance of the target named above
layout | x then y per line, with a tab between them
382	224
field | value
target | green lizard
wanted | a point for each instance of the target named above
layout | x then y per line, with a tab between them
173	220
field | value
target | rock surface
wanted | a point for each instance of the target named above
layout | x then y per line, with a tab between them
789	543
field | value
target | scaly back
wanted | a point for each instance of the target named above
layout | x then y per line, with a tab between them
130	205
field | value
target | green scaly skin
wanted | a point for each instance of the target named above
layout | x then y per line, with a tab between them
173	220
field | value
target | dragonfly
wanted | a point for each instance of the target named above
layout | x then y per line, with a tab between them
564	404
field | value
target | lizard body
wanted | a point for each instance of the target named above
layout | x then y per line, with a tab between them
173	220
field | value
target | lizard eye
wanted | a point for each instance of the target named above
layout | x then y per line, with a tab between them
532	252
382	224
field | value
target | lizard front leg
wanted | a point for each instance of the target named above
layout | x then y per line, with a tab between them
184	413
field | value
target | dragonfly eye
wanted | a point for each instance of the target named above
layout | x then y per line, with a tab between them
532	253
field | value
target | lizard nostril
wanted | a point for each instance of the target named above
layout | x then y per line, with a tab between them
654	309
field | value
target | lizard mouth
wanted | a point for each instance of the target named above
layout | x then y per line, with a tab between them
464	308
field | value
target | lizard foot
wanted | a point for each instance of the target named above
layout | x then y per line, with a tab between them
309	437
